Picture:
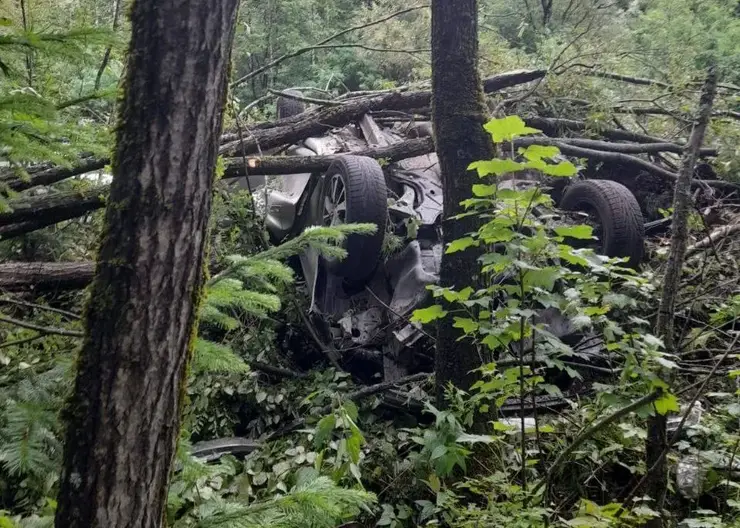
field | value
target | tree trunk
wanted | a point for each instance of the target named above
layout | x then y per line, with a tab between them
656	443
458	115
123	418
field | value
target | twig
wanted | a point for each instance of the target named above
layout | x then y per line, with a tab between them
42	329
276	371
65	313
305	49
7	344
109	48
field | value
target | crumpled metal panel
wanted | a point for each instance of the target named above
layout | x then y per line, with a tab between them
690	475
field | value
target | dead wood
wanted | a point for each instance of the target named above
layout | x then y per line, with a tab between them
54	207
45	275
714	236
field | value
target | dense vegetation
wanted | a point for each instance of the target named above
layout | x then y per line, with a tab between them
330	450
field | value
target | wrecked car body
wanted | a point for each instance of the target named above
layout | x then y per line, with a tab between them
365	303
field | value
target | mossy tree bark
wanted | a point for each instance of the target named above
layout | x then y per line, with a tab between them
458	114
123	418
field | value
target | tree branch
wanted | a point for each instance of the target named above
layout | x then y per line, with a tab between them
305	49
16	302
42	329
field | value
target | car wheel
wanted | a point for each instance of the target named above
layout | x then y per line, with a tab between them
619	223
355	192
289	107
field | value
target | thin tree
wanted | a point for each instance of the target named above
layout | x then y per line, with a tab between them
458	114
123	418
656	444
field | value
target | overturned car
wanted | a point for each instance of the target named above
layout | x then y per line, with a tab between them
364	302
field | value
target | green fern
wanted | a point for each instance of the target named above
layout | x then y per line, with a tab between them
212	357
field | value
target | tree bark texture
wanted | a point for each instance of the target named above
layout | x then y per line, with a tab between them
656	443
45	275
123	418
458	115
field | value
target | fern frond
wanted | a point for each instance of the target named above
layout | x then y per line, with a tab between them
269	269
212	357
229	293
213	316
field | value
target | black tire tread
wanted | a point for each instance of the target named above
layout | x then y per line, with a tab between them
367	202
619	214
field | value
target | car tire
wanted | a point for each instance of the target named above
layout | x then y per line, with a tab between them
618	215
365	201
289	107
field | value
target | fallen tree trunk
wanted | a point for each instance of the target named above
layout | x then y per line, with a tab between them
45	275
280	165
556	127
50	175
52	208
39	212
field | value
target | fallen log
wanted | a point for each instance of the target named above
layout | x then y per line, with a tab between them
283	165
554	127
50	175
639	163
52	208
45	275
36	213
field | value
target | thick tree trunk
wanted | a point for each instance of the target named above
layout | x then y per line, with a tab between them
458	115
656	443
123	418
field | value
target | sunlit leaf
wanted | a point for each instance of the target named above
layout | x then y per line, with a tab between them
536	152
427	315
496	167
580	232
461	244
508	128
666	403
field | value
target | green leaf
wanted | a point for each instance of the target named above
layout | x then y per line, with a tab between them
323	430
427	315
496	167
537	152
353	447
461	244
439	451
667	402
484	190
508	128
466	325
564	168
580	232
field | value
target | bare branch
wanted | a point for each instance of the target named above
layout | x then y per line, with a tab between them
305	49
43	329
